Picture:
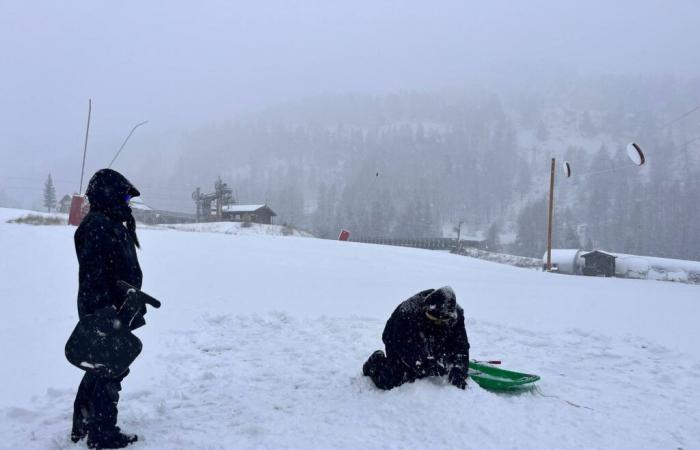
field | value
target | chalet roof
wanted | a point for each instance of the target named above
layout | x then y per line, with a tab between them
600	252
245	208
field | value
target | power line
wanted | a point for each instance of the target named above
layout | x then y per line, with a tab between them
681	117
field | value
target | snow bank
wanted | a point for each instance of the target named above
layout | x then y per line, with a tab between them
239	229
501	258
10	214
665	269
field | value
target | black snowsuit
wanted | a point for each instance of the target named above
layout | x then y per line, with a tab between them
106	251
417	347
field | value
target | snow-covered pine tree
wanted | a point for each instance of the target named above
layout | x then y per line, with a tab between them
49	194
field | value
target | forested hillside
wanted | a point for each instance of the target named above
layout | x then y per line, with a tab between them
415	164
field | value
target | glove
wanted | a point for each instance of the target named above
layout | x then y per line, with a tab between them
458	377
132	310
138	320
109	320
428	367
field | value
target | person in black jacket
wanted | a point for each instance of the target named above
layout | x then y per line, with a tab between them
425	336
105	243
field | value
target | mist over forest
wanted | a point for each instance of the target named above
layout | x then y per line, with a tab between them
415	164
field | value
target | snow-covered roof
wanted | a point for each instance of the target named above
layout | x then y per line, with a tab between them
598	251
562	254
137	203
565	259
242	208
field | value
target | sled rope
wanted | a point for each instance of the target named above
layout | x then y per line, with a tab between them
539	391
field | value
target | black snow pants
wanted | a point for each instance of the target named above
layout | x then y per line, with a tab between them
95	407
388	373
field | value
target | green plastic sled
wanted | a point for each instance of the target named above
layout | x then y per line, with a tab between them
497	379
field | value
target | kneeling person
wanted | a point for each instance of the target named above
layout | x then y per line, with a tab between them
425	336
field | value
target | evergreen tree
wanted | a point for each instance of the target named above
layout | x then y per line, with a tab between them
49	194
532	229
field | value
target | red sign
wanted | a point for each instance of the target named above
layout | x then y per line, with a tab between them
344	235
78	209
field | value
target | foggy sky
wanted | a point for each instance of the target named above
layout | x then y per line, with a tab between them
184	64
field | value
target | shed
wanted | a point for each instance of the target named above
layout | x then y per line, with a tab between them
564	260
599	264
248	213
64	204
141	211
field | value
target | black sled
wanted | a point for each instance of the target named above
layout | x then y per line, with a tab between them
103	342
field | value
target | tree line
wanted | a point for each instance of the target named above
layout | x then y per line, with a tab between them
415	164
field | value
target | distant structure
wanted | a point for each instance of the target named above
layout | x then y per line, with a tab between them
599	264
142	212
145	214
64	204
210	207
573	261
565	260
248	213
221	205
606	264
425	243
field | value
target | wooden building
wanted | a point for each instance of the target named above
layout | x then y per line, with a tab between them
142	212
64	204
221	205
248	213
599	264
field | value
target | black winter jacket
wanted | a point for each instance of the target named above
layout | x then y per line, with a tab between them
106	254
422	346
105	243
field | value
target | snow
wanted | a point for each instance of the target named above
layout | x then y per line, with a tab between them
137	203
237	228
241	208
654	268
570	261
566	260
502	258
261	340
7	214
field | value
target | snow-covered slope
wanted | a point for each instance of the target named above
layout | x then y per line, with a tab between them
239	228
261	340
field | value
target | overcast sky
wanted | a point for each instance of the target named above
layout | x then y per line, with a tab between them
182	64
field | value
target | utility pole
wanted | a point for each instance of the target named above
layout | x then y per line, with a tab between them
77	204
551	209
87	132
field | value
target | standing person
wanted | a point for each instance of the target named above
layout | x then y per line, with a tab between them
105	243
425	336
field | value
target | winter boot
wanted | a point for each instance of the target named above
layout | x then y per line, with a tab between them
111	439
80	424
369	369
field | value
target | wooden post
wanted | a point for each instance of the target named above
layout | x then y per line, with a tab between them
87	132
551	209
458	247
